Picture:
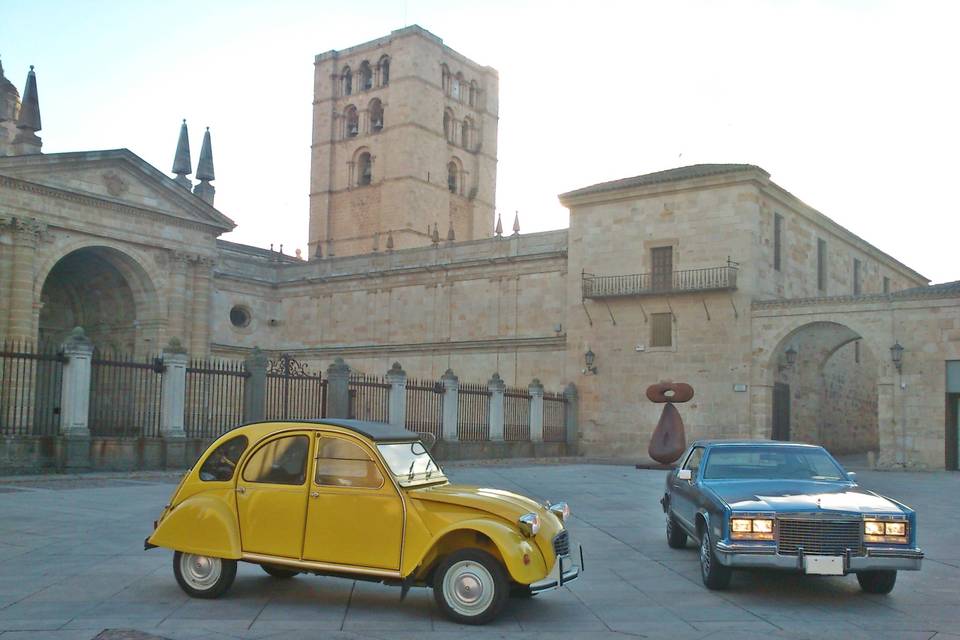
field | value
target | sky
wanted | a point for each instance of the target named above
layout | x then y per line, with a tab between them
852	106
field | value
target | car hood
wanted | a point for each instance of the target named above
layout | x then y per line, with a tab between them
498	502
800	496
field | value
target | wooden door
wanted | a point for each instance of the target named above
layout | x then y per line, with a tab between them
661	260
781	411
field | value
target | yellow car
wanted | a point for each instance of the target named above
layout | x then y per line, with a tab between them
360	500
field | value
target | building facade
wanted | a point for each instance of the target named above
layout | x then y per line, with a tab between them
781	319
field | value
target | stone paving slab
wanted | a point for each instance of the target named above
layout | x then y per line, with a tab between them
72	568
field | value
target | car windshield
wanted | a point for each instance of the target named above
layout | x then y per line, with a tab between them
410	463
771	463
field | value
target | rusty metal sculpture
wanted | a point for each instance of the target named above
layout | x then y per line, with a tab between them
668	440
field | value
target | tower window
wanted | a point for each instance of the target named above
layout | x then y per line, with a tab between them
821	264
384	65
886	284
777	231
452	177
447	125
474	94
465	133
352	121
856	277
366	76
364	169
376	115
347	81
445	78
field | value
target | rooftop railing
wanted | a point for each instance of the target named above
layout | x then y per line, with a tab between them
660	283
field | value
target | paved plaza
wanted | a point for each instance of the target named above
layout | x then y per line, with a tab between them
72	566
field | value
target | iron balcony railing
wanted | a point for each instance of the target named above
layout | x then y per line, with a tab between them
668	282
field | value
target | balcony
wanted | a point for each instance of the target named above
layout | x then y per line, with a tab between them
656	284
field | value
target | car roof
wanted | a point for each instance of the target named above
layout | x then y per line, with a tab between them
747	443
376	431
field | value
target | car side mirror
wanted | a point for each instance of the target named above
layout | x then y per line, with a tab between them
852	476
684	474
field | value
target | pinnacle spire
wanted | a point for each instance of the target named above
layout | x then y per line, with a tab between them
516	223
435	234
205	170
451	236
26	141
181	160
499	230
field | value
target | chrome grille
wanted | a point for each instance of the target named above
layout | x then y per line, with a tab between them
561	543
819	536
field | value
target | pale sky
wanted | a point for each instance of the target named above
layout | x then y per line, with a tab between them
852	106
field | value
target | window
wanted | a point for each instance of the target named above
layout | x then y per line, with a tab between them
384	65
465	133
366	76
364	169
346	81
447	125
777	230
474	94
661	330
240	316
661	262
456	85
219	465
856	351
886	284
693	461
445	78
352	118
856	277
452	177
376	115
345	464
821	264
282	461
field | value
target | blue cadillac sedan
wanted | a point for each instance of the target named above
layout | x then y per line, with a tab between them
782	505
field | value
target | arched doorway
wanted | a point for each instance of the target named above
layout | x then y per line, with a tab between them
100	289
825	389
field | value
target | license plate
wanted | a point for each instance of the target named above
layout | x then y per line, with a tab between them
823	565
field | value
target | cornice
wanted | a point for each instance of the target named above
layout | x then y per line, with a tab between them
872	298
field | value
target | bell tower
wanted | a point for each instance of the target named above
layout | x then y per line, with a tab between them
404	140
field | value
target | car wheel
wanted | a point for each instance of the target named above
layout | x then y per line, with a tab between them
676	536
714	574
470	586
281	573
203	576
877	581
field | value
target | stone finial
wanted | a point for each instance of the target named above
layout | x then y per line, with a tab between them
498	231
449	375
389	240
451	236
319	252
77	335
535	383
205	174
338	367
174	346
516	223
181	159
26	142
435	234
396	370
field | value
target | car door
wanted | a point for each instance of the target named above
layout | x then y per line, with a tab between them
272	496
355	516
684	494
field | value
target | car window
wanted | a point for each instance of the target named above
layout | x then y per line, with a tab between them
411	463
344	464
693	460
772	462
220	465
282	461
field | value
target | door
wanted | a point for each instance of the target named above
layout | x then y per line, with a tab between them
354	514
684	493
781	411
272	496
661	261
953	431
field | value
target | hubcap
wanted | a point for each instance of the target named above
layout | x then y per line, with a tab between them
468	588
705	555
200	572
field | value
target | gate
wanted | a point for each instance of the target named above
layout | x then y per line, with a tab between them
369	398
293	391
425	407
781	411
125	395
516	414
473	412
30	380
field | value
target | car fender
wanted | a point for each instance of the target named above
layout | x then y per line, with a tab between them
204	524
509	542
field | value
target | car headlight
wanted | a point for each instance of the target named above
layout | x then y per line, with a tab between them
889	531
529	524
561	510
751	529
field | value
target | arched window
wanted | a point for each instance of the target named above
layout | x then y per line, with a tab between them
352	119
366	76
376	115
456	86
448	125
453	177
445	78
384	66
465	133
474	94
346	83
364	169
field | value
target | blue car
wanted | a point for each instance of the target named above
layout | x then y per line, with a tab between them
781	505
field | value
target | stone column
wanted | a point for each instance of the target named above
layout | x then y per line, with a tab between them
255	387
200	331
338	389
177	325
536	411
397	378
20	321
75	401
451	405
570	419
173	404
497	389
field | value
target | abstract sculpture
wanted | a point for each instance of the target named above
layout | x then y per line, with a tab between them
668	440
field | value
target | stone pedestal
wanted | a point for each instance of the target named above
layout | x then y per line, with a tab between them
536	410
255	389
397	378
497	389
338	389
173	397
451	404
75	401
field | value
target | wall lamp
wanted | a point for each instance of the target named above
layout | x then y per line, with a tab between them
896	354
588	358
791	359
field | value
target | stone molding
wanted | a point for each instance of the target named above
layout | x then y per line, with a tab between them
886	298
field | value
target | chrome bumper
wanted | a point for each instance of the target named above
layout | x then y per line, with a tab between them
564	570
766	557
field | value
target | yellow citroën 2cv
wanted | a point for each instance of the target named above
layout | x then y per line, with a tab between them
360	500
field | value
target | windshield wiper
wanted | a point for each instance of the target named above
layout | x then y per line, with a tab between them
410	473
428	474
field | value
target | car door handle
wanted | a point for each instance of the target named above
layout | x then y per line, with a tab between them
314	494
241	490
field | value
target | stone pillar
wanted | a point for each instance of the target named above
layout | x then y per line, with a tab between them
75	401
177	292
20	321
451	405
255	388
397	378
570	419
497	388
338	389
173	398
200	330
536	411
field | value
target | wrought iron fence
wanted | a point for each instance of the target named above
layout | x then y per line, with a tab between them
638	284
125	395
30	382
425	407
554	417
293	391
369	397
473	412
516	414
214	397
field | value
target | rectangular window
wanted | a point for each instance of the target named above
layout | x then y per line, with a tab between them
886	284
777	230
821	264
856	277
661	330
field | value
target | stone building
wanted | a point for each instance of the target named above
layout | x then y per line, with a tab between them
781	319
